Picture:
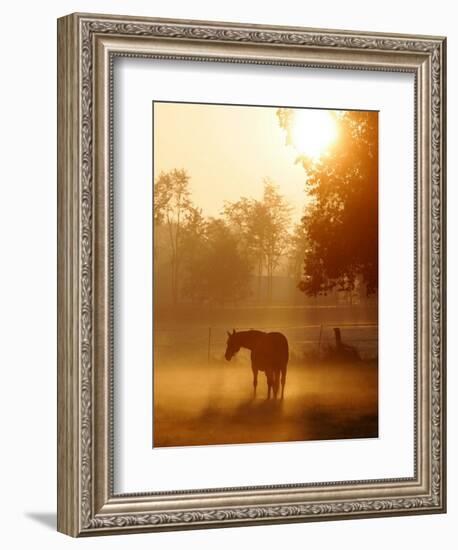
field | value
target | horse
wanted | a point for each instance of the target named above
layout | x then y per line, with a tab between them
269	354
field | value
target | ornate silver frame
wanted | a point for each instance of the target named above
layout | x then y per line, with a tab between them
87	44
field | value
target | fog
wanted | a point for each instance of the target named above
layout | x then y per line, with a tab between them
202	399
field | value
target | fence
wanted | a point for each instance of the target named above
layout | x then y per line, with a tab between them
210	342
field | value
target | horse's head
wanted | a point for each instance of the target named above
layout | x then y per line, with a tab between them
232	346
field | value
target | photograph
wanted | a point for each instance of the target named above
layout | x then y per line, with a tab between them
265	274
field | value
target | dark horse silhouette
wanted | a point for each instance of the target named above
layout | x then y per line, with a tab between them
269	354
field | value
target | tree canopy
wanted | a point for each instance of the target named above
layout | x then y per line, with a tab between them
262	226
218	271
340	222
204	260
173	209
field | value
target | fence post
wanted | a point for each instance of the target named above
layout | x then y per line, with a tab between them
209	343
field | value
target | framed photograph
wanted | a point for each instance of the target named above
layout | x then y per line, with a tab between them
251	289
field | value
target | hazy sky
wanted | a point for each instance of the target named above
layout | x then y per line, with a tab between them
227	151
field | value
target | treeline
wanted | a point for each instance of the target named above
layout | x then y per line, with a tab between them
215	260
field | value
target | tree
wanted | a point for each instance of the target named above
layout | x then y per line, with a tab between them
276	220
341	220
263	229
243	217
218	272
299	244
173	210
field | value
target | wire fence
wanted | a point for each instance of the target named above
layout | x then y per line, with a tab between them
303	339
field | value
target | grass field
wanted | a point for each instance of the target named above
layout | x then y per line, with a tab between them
214	404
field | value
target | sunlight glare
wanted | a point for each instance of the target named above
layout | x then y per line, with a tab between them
313	131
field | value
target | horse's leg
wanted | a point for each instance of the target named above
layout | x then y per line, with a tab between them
283	380
276	382
269	383
255	379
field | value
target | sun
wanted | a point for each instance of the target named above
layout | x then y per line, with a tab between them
313	131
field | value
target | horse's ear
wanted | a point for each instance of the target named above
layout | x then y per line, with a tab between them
233	331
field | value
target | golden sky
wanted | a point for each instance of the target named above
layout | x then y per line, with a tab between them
227	151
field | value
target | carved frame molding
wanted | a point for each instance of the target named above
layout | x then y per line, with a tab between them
87	45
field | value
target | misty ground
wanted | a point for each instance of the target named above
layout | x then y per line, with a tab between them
206	400
201	399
